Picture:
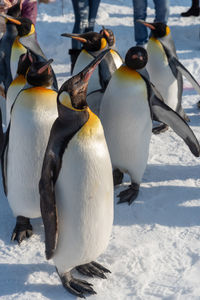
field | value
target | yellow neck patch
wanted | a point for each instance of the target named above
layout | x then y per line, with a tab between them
32	31
91	126
125	73
103	43
167	30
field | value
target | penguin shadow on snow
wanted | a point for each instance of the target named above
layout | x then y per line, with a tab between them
166	205
157	173
186	41
27	280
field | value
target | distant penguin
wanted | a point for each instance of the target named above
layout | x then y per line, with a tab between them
76	187
165	70
126	111
33	114
93	44
18	83
25	39
6	43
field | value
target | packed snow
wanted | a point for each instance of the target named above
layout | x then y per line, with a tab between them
154	250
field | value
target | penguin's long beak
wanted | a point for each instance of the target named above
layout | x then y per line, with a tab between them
87	72
149	25
11	19
43	68
75	36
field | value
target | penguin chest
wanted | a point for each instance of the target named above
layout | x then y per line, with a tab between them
126	119
83	60
117	59
160	73
17	50
84	197
32	117
13	90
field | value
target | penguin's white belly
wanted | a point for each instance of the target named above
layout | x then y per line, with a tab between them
83	60
125	116
161	75
84	197
29	133
16	52
13	90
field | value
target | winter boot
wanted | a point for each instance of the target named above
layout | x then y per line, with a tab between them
193	11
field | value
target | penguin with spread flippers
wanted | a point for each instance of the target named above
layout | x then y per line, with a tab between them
76	187
128	105
25	39
93	44
165	70
18	83
32	115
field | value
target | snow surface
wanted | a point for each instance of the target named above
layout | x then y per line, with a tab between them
154	250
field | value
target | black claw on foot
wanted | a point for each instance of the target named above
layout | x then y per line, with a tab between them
23	229
130	194
160	129
93	269
117	177
75	286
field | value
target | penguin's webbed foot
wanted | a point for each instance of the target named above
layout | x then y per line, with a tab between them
117	177
23	229
160	129
198	104
93	269
129	195
75	286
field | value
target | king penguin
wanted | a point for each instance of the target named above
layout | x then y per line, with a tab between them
32	116
93	44
6	43
165	70
18	83
126	111
76	187
25	39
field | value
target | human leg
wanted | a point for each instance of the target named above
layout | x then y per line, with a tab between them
93	9
161	10
140	12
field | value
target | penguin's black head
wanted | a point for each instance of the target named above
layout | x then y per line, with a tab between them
15	10
136	58
92	41
108	35
72	94
158	29
40	74
25	60
25	26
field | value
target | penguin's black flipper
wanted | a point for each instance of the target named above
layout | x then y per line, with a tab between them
165	114
185	73
30	42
